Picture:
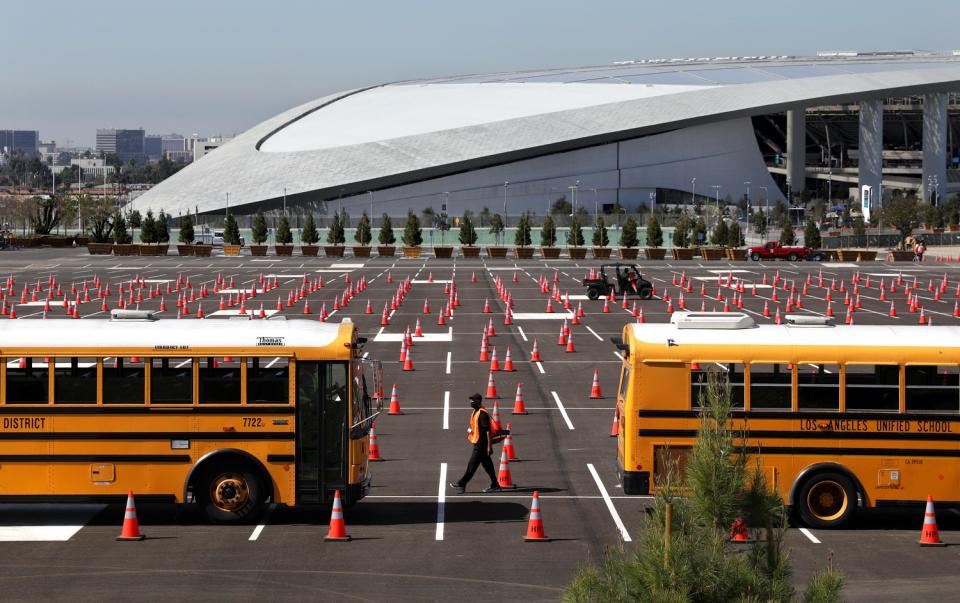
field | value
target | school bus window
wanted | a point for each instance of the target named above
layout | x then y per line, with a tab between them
268	380
220	380
932	389
818	386
171	381
75	381
28	381
771	386
624	381
731	371
124	380
873	387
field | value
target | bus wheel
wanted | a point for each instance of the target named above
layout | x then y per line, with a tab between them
231	493
826	500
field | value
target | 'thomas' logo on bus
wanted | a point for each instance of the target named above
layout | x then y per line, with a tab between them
270	341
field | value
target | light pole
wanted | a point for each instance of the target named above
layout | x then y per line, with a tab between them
717	188
746	215
693	192
284	201
596	211
506	183
446	201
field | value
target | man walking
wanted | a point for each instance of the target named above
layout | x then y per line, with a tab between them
479	435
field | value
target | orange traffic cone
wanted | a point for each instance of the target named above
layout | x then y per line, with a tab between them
394	402
615	428
508	445
595	392
508	362
408	361
486	306
535	524
494	363
131	527
374	454
491	388
495	416
929	534
503	476
417	331
570	346
338	529
518	407
739	533
535	354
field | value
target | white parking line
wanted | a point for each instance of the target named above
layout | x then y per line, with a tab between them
446	410
563	411
540	366
610	507
448	361
441	500
522	334
617	354
807	533
266	518
595	334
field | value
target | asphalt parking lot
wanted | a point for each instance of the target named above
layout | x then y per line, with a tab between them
410	541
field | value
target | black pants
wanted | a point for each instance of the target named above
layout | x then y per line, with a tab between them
478	458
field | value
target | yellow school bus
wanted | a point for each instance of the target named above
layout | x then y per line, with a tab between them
840	417
229	414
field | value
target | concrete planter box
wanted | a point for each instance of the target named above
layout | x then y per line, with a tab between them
523	253
100	248
653	253
900	256
258	250
737	255
469	251
124	249
861	255
443	251
550	253
713	253
577	253
629	253
683	253
203	251
231	250
185	250
496	252
386	251
411	252
284	250
602	253
334	251
361	251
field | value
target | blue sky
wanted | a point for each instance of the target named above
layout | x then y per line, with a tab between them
212	66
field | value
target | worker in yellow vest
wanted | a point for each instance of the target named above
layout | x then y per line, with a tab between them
479	434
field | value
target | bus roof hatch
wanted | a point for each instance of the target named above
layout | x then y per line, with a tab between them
711	320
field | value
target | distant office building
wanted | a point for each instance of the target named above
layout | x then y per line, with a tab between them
90	169
172	143
127	144
179	156
203	146
24	141
153	147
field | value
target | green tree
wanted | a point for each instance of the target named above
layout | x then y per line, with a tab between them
134	219
654	232
46	216
681	231
335	234
186	234
759	221
468	234
734	235
719	234
548	232
561	207
933	215
699	232
100	226
231	232
258	228
309	236
385	236
600	238
576	232
163	228
787	236
522	237
362	235
412	235
811	234
859	226
902	213
148	228
442	222
120	234
496	227
283	236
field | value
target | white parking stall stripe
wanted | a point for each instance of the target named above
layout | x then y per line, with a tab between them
610	507
446	410
441	500
563	411
809	535
522	334
595	334
266	518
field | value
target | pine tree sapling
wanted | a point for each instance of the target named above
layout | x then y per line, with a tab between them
681	231
283	236
148	228
654	232
442	222
522	237
719	235
734	235
787	236
576	231
231	232
120	234
811	235
363	234
496	227
386	236
258	228
162	228
309	236
600	237
186	234
468	234
335	234
412	235
699	232
548	232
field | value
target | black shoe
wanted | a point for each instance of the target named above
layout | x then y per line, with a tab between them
460	489
495	488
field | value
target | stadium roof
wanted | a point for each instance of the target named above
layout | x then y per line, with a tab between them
398	133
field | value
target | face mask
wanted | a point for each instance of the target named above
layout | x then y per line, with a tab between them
474	405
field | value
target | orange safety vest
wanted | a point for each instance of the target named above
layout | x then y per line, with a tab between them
473	435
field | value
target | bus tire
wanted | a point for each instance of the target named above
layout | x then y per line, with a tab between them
230	491
826	500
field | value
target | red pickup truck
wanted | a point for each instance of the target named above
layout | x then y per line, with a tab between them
773	250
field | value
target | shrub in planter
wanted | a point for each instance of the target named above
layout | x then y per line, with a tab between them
363	235
335	235
100	230
496	229
284	238
186	236
811	235
548	239
522	240
575	239
699	234
468	237
122	241
309	237
718	238
231	237
163	232
386	238
412	236
628	239
600	239
258	233
442	224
